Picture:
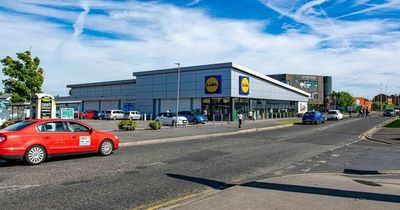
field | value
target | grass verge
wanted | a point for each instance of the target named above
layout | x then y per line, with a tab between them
290	122
394	124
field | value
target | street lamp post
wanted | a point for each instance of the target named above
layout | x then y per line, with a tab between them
177	94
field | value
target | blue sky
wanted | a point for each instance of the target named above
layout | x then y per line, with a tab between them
355	41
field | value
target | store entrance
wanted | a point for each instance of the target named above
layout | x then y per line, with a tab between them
218	109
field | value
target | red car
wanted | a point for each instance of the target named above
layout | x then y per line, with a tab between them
35	140
88	114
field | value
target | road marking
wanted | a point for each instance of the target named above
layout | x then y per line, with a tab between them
335	155
16	187
176	201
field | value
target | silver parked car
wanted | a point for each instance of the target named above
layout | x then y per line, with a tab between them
132	115
114	115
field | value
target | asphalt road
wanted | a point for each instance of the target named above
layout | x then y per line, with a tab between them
143	175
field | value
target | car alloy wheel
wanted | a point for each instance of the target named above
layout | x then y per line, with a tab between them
35	155
106	148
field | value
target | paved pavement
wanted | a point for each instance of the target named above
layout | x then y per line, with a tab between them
149	175
305	191
387	135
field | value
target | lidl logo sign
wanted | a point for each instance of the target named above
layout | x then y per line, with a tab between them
213	84
244	85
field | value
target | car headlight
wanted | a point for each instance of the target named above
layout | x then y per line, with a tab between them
116	136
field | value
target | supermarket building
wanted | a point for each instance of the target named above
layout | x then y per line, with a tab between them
222	90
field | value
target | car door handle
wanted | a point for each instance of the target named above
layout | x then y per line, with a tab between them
73	136
46	137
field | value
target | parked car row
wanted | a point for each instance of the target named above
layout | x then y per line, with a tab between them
183	118
317	117
109	115
166	118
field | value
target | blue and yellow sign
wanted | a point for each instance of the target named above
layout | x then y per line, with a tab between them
244	85
213	84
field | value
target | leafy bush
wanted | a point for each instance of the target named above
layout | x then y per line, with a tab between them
127	125
8	123
155	125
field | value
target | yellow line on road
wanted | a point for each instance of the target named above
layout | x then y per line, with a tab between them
163	204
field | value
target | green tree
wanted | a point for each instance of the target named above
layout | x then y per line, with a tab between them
25	77
343	99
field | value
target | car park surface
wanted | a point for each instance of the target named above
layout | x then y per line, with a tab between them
35	140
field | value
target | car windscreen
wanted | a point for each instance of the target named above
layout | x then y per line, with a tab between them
18	126
332	112
309	113
108	112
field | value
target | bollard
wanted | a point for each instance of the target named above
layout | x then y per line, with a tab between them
145	116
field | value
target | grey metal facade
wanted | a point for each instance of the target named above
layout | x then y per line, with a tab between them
155	91
120	94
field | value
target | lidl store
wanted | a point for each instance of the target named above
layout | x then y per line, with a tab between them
220	90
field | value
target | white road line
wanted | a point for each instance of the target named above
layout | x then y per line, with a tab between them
15	187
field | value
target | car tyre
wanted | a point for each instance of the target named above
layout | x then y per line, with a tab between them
106	148
195	122
35	155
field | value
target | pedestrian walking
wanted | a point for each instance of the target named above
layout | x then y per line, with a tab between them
251	118
360	113
367	113
240	117
364	112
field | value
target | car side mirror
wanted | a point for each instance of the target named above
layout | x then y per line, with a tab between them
90	130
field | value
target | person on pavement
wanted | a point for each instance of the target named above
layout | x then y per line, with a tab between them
367	113
360	113
240	117
251	116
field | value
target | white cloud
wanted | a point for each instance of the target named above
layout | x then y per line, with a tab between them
156	35
78	25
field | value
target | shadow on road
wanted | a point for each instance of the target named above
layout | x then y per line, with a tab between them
293	188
